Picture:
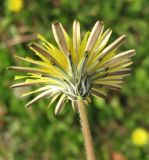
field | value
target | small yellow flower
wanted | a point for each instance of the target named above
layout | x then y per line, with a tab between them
140	137
78	67
15	5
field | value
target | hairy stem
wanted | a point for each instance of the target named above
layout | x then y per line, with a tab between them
86	131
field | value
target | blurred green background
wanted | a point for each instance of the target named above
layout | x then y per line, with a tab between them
36	133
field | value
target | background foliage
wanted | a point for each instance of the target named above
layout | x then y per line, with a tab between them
36	134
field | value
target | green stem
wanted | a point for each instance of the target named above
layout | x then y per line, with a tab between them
86	131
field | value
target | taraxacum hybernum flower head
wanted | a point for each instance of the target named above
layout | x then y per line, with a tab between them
77	68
